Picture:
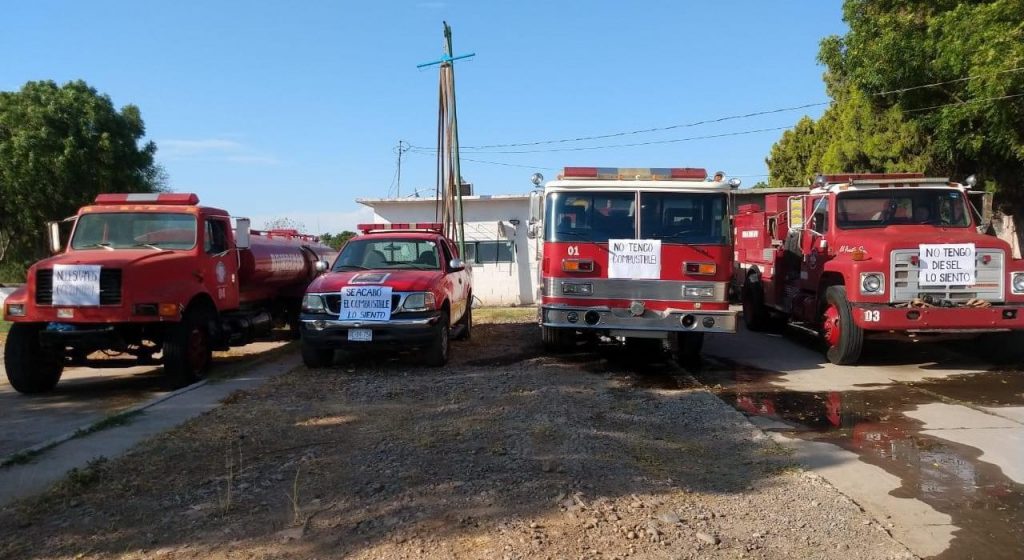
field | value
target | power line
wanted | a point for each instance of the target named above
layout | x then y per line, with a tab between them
966	102
936	84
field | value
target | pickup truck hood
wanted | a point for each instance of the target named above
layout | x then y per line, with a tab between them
880	241
399	280
119	258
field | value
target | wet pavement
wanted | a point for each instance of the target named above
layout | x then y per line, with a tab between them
938	435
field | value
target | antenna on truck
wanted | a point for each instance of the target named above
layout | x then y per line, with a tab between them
449	177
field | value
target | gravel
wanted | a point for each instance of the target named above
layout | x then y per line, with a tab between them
505	453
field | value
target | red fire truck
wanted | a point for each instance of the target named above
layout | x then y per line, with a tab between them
639	254
876	254
148	274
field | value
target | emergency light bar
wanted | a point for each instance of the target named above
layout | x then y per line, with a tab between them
187	199
851	177
435	227
636	173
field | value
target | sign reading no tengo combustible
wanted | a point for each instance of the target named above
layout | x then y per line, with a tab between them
949	264
76	284
634	258
365	303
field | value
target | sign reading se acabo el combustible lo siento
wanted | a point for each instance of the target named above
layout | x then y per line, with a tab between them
634	258
948	264
76	284
365	303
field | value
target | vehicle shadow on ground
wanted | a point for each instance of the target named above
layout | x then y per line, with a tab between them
333	463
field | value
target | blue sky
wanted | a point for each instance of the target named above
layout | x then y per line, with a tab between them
275	109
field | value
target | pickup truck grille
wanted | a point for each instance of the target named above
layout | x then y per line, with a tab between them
333	303
110	286
989	285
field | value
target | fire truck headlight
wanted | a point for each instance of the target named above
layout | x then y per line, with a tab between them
313	303
577	289
15	310
1018	283
698	292
872	283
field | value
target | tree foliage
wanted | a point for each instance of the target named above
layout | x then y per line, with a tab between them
336	240
886	115
59	147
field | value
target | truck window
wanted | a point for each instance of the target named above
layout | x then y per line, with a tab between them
684	217
590	216
216	240
915	206
133	230
819	220
390	253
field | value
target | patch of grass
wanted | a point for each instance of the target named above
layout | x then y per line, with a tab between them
83	478
504	314
24	457
111	421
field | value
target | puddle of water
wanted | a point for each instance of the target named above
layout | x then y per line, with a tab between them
985	505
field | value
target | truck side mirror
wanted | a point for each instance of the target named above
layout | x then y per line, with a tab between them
456	264
242	240
321	266
56	245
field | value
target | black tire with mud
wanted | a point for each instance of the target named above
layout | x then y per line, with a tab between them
316	356
558	339
187	349
440	347
30	369
755	314
849	342
466	322
686	347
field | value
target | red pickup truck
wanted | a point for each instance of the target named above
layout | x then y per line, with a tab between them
396	285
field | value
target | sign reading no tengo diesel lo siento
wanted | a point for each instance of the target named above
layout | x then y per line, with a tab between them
947	264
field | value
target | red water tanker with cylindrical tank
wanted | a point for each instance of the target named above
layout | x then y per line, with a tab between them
154	277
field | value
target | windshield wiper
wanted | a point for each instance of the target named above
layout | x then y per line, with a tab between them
150	245
355	266
572	233
104	244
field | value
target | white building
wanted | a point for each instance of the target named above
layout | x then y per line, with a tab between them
503	258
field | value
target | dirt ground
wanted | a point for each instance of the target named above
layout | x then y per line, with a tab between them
505	453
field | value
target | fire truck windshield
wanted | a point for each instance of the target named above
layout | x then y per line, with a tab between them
132	230
692	218
590	216
914	206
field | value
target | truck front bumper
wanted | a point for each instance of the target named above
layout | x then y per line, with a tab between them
619	322
324	332
882	317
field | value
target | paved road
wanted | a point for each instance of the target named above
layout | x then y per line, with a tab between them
84	396
925	436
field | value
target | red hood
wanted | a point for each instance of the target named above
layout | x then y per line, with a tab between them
880	241
120	258
399	280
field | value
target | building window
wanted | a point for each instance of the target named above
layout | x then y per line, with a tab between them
487	252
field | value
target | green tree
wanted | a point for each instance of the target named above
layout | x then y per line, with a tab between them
336	240
59	147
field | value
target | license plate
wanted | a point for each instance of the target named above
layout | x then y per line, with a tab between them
360	335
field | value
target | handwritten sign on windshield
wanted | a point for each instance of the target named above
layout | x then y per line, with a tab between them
634	258
76	284
365	303
948	264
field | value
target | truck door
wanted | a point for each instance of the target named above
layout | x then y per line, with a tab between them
454	282
220	263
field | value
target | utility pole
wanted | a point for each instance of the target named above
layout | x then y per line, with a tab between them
400	149
449	177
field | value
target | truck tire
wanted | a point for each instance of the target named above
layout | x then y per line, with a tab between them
755	314
187	350
467	322
316	357
1002	348
558	339
440	346
30	369
842	337
686	347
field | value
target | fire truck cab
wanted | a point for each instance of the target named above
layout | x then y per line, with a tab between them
639	254
864	255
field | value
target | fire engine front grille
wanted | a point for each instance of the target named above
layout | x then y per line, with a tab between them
110	286
989	284
333	303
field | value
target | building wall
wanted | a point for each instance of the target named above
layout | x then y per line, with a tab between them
486	219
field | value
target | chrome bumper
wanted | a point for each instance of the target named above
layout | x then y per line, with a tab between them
670	320
330	324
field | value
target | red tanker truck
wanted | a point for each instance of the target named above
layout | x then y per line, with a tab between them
153	274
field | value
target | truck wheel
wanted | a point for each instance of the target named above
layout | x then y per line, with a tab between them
187	351
844	339
30	369
1001	348
755	314
467	322
686	347
437	352
316	357
558	339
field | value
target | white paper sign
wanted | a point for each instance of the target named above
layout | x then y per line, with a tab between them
634	258
365	303
76	284
948	264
